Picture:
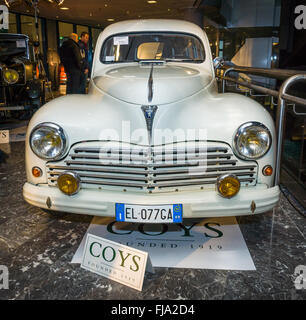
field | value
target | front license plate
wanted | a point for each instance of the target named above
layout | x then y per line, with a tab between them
172	213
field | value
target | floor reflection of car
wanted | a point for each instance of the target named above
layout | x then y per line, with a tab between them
20	84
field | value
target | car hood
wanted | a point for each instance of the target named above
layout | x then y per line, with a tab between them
169	83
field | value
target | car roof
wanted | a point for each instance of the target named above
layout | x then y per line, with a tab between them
139	25
13	36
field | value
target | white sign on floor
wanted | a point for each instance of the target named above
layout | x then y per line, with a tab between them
212	243
4	136
115	261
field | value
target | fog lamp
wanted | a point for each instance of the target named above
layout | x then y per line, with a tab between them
228	185
69	183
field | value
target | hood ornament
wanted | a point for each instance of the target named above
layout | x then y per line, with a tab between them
149	113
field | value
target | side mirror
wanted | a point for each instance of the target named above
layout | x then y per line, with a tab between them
218	62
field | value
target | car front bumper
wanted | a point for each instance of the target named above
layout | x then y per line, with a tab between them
195	204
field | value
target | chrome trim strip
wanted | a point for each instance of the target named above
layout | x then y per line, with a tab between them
153	185
101	157
104	176
150	85
144	176
192	163
149	171
155	152
111	169
197	176
112	151
188	183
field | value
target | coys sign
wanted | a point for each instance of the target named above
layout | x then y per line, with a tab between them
4	136
4	277
211	243
186	230
115	261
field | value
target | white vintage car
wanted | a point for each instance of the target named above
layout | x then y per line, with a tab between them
153	141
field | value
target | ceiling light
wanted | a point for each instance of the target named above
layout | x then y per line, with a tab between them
64	8
111	19
152	1
10	3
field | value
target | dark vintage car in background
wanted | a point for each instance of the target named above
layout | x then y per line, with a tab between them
21	86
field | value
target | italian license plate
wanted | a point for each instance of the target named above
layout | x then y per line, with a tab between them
172	213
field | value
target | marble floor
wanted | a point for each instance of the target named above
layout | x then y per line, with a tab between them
37	248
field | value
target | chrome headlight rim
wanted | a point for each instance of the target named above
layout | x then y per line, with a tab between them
5	79
62	135
241	129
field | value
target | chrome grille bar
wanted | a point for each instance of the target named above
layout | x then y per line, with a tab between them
167	167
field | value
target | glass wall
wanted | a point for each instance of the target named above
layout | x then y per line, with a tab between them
12	23
51	34
95	34
64	29
81	29
28	28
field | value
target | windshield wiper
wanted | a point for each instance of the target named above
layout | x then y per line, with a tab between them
181	60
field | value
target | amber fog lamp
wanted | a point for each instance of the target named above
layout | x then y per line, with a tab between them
36	172
267	171
69	183
228	185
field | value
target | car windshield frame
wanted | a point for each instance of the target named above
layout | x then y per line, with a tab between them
22	51
123	34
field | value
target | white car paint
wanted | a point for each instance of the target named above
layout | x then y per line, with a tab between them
187	98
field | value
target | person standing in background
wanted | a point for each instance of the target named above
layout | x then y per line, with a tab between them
83	43
73	63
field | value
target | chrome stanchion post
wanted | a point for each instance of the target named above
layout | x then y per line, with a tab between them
224	75
281	109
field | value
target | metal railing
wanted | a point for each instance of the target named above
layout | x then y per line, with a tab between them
290	76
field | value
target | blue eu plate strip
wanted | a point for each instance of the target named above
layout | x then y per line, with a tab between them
177	213
119	211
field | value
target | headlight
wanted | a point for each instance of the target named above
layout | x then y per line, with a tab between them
252	141
10	76
48	141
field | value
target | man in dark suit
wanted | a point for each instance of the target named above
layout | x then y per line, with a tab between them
83	43
73	63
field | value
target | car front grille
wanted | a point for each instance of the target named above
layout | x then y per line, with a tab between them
172	167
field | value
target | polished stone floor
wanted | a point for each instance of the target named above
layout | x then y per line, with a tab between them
38	248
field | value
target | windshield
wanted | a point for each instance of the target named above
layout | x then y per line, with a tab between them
13	47
152	46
